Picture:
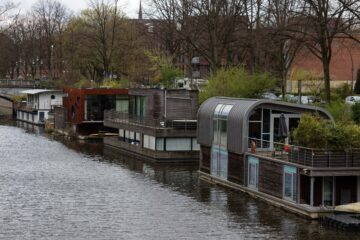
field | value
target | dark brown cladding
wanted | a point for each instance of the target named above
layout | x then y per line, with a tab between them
76	97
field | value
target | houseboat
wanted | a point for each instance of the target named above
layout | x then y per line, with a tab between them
83	109
159	125
39	103
242	148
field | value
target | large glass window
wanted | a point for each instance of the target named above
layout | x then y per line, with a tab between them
140	106
219	153
259	127
122	104
178	144
328	191
149	142
290	183
95	105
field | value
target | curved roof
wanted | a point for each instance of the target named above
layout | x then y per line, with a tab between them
37	91
237	125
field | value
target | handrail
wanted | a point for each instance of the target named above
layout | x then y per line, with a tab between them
114	116
312	157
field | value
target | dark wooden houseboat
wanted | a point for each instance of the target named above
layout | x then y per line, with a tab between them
83	109
240	148
159	124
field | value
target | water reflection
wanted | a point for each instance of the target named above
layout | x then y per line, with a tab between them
69	189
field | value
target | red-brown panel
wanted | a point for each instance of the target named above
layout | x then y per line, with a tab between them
75	101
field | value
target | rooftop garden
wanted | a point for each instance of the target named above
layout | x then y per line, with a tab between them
316	132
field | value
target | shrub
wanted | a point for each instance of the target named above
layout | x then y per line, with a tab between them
339	110
18	98
237	82
316	132
310	132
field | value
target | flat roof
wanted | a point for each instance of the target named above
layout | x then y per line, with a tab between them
37	91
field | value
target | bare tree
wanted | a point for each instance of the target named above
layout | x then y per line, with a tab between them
102	27
282	43
5	7
320	22
52	17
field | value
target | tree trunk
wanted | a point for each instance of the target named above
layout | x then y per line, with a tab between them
326	69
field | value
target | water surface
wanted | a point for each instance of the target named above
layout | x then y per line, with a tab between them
57	189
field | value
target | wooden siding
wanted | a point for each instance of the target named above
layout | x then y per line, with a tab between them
153	131
236	168
175	156
205	159
60	117
271	178
180	103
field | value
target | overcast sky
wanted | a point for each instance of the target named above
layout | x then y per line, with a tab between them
130	7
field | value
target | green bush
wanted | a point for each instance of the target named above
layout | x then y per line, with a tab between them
316	132
339	110
113	83
310	132
18	98
237	82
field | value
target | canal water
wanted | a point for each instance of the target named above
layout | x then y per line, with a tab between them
56	189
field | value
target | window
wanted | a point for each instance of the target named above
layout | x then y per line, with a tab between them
160	144
253	172
140	106
149	142
290	183
178	144
95	105
129	136
52	97
195	145
259	127
328	191
219	153
122	104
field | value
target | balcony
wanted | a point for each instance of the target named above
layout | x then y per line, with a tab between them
30	106
309	157
113	116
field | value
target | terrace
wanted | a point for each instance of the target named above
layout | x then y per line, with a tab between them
120	118
307	157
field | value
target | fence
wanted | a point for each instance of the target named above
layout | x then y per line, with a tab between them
19	83
317	158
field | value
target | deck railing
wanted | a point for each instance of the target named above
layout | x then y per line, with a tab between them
311	157
118	117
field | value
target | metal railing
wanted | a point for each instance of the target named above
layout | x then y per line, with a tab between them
19	82
43	105
118	117
311	157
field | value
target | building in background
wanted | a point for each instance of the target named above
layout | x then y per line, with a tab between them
39	103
